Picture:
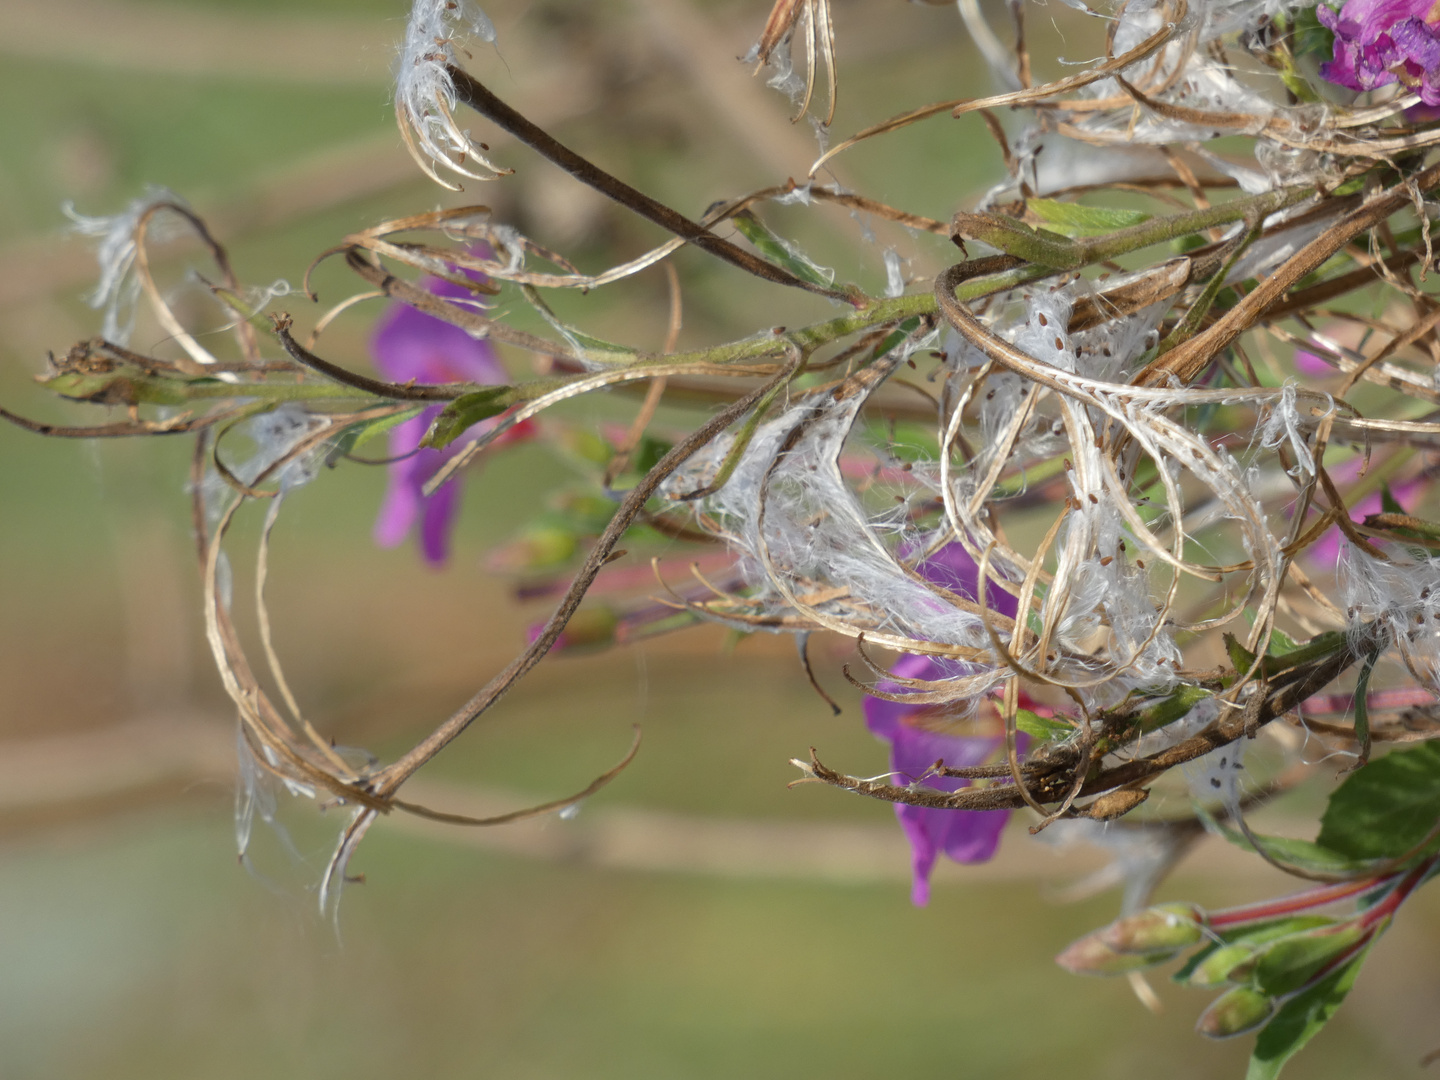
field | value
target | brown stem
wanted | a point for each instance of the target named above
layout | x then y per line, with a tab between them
389	779
471	92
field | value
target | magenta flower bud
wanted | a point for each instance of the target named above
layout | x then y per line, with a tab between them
1235	1012
1091	956
1165	926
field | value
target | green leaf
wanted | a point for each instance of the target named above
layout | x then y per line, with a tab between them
464	413
1288	965
1072	219
1362	709
1387	808
357	435
780	251
129	385
1211	966
1318	647
1299	1019
1388	503
1241	658
1173	707
1312	856
648	454
904	439
1041	727
594	349
904	330
1312	37
1280	642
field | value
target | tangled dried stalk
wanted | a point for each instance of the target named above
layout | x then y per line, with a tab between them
1094	365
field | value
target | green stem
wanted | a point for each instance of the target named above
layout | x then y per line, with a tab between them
1050	249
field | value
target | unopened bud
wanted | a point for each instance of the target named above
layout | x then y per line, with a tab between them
1235	1012
538	549
1289	964
1091	956
1232	962
1165	926
1218	968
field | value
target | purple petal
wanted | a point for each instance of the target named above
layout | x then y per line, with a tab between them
1417	43
402	497
1341	71
1307	363
883	718
966	836
952	568
1325	552
439	516
1366	20
408	344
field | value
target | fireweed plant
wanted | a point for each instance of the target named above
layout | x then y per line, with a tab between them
1207	369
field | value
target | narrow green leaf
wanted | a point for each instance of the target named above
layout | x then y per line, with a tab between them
1307	855
1280	642
1287	965
594	349
1388	503
1241	658
357	435
1387	808
1041	727
464	413
781	252
1298	1021
1173	707
1362	709
904	330
1072	219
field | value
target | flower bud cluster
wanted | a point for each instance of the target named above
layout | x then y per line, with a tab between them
1261	956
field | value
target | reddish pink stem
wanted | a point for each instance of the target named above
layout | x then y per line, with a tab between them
1286	905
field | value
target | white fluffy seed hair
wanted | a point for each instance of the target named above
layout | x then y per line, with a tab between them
425	92
1403	593
119	288
795	526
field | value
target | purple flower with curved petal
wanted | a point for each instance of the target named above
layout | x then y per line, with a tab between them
967	836
1379	42
408	344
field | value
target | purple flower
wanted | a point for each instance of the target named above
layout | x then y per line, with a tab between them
917	742
1325	552
1379	42
408	344
1308	363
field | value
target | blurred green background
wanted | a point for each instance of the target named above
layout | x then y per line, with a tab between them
698	919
